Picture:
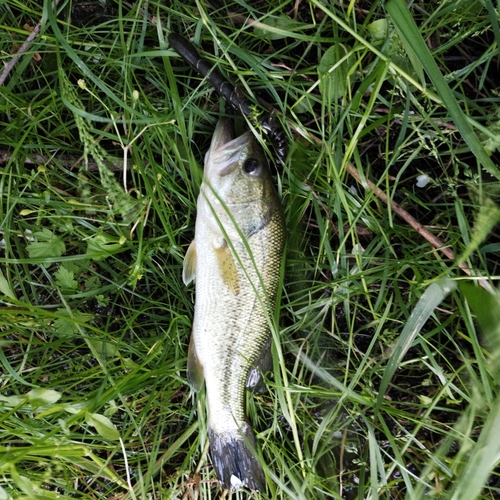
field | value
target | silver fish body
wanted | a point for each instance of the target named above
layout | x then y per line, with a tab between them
235	259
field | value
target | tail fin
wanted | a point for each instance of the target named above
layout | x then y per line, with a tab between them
235	460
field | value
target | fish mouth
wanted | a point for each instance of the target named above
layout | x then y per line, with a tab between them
224	133
225	149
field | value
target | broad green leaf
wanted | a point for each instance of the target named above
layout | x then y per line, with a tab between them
103	426
112	408
5	288
93	283
77	266
41	397
105	350
47	245
66	325
44	235
490	248
397	49
333	72
74	410
277	27
102	245
36	397
425	400
66	279
130	364
13	400
102	300
378	29
486	307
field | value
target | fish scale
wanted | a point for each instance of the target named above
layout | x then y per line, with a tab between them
235	259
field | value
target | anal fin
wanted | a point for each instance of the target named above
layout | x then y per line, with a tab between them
194	368
263	364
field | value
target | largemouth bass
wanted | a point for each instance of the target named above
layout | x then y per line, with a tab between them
235	257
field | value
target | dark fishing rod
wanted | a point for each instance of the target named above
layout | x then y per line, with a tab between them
228	92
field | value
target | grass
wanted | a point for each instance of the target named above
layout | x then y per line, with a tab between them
385	380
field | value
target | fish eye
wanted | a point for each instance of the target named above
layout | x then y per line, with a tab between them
251	165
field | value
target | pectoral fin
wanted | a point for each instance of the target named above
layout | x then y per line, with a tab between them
189	268
227	267
194	368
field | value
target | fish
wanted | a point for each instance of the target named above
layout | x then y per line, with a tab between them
235	261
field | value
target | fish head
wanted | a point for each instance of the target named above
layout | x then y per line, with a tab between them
236	169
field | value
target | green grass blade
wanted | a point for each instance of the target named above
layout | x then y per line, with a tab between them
94	310
430	299
401	17
484	457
